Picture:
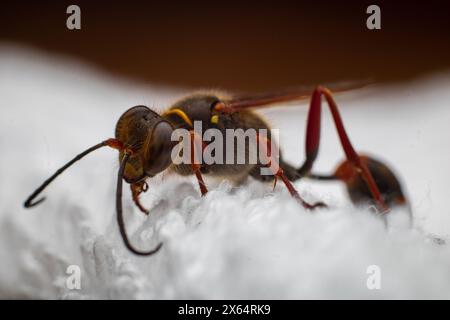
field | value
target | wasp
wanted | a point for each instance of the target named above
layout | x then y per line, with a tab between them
143	139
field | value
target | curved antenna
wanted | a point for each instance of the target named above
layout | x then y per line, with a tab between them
119	211
29	202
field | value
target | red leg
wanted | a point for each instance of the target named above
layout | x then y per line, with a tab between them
295	194
194	138
313	139
195	163
312	131
136	190
278	173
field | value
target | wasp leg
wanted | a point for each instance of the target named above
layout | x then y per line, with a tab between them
195	163
313	139
294	192
313	132
278	172
199	177
136	190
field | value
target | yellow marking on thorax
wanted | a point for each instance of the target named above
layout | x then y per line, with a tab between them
179	113
215	119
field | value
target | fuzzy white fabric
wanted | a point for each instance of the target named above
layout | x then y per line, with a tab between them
244	242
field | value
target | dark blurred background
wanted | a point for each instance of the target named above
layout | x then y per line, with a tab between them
242	46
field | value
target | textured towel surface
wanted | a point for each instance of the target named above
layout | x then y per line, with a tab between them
237	242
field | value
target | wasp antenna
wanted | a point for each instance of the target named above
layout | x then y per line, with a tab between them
29	202
119	211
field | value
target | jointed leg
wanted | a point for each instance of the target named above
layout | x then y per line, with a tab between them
313	132
313	139
265	144
294	192
195	141
136	190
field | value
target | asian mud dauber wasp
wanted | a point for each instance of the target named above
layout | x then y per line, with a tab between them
143	139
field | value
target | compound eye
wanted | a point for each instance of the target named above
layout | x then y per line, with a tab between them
162	132
159	151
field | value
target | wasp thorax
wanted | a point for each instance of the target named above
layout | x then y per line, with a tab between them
147	134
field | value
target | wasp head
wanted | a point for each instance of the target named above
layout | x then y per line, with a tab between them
149	136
